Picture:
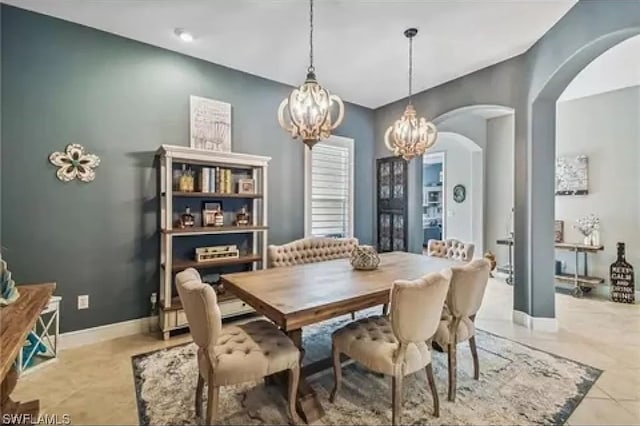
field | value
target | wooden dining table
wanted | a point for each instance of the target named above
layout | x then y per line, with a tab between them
297	296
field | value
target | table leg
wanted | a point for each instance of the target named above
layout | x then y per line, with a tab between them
20	412
510	274
577	291
308	404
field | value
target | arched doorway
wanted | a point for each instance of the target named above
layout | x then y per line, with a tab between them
534	301
486	133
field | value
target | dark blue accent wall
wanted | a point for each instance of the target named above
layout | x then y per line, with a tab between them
65	83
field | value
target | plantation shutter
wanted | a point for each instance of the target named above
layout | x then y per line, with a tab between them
331	192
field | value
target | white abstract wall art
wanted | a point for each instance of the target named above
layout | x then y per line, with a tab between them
75	163
572	175
210	124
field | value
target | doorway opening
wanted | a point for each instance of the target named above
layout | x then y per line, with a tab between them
433	199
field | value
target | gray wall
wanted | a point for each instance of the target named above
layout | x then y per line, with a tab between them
611	140
499	188
529	84
500	84
65	83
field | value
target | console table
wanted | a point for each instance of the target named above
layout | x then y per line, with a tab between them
16	321
581	282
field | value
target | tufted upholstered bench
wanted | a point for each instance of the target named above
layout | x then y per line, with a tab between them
311	250
233	354
451	249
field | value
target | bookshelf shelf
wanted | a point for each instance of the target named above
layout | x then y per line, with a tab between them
212	230
235	168
182	264
214	195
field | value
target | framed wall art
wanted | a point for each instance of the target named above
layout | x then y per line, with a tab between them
572	175
459	193
210	124
559	231
246	186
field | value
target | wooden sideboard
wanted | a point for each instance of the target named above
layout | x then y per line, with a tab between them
16	321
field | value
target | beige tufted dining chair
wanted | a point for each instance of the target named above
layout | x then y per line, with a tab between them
397	345
233	354
468	284
312	250
451	249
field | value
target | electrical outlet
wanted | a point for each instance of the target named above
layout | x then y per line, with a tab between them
83	301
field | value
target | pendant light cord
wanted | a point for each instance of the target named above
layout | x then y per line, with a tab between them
311	67
410	67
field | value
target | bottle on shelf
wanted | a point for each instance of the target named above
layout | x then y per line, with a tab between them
186	182
622	278
242	217
187	219
218	218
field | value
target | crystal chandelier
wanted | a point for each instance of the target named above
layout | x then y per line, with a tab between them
410	136
309	106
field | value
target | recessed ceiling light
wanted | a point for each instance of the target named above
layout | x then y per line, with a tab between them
184	35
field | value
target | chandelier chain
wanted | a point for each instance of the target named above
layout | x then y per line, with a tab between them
311	67
410	68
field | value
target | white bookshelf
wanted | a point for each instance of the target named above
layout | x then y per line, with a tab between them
171	315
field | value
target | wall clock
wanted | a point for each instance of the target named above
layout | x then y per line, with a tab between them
459	193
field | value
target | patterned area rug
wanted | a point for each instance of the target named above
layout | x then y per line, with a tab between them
518	385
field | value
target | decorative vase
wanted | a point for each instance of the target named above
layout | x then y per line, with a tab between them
587	240
364	258
8	291
595	238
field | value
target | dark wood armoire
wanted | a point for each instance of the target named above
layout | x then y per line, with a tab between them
392	186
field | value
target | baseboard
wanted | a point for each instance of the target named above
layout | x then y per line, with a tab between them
88	336
535	323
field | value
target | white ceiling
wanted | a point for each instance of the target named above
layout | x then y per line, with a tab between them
617	68
361	53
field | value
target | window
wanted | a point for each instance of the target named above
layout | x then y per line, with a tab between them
328	207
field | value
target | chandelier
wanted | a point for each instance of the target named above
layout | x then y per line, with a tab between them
309	106
410	136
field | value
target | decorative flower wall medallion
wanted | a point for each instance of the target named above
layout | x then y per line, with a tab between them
75	163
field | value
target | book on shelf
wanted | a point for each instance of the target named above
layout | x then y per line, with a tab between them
204	179
212	179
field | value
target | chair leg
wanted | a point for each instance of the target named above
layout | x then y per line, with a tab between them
396	407
385	309
474	355
337	373
353	316
212	403
434	391
294	380
199	389
451	358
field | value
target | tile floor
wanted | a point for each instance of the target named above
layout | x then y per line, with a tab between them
94	384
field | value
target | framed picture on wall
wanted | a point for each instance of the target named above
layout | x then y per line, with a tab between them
572	175
559	231
210	124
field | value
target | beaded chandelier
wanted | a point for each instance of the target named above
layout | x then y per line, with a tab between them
410	136
309	106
